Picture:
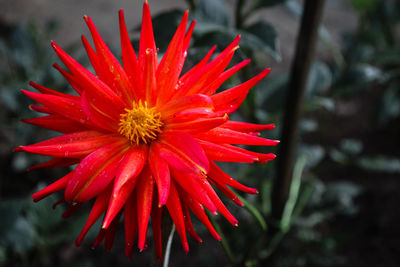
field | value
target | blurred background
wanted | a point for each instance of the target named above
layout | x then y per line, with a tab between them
343	198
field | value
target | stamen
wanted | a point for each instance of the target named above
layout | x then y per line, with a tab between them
140	124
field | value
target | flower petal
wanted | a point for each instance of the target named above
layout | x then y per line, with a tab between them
144	200
227	136
99	207
100	162
125	180
74	145
175	210
183	152
160	170
171	65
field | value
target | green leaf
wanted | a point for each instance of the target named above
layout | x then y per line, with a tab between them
268	3
319	79
213	11
15	231
380	164
254	212
364	5
293	194
267	35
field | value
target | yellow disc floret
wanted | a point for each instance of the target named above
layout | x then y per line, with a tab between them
140	124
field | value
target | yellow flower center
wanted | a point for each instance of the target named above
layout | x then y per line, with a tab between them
140	124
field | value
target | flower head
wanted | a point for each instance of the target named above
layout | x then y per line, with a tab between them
144	136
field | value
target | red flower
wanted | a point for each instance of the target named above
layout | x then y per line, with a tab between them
144	136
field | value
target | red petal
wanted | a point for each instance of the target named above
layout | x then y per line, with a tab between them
54	163
175	210
110	232
97	116
198	210
192	185
144	193
220	177
189	225
197	126
95	172
114	74
128	55
214	85
189	74
183	152
45	90
227	136
99	207
227	192
161	174
184	103
222	153
71	79
56	123
171	64
105	98
147	77
229	100
74	145
247	127
65	107
125	180
147	39
52	188
218	203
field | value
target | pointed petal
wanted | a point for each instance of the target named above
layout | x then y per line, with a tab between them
192	185
219	152
183	152
200	127
175	210
184	103
104	97
161	174
96	163
246	127
58	185
214	85
113	73
54	163
229	100
66	107
74	145
188	224
56	123
144	200
110	232
227	136
125	180
198	210
171	65
220	177
129	58
99	207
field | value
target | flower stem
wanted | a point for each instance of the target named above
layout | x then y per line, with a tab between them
168	248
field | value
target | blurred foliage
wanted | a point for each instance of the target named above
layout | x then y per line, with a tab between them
33	234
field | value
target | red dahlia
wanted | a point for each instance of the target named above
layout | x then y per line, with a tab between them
144	136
